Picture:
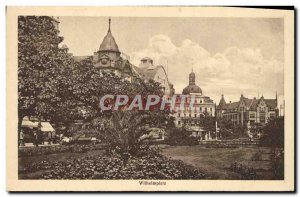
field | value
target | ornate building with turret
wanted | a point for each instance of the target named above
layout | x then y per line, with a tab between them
248	111
110	58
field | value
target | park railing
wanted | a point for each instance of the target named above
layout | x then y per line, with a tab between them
228	142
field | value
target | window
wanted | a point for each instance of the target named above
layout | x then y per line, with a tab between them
205	109
210	109
184	115
195	115
252	115
104	60
200	101
200	108
179	122
179	115
262	117
190	115
272	115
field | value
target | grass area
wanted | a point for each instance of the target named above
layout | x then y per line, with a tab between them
216	161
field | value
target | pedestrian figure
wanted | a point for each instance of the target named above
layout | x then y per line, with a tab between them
36	143
21	142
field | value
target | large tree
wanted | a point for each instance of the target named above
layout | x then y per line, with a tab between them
42	67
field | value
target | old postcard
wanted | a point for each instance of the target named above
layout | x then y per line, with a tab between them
150	99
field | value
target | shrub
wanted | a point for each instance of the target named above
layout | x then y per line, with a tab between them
273	133
245	172
180	136
277	161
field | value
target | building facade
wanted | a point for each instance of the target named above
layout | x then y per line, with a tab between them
248	111
190	115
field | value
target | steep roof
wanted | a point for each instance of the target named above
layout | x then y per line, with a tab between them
231	106
222	101
109	43
147	73
251	104
272	103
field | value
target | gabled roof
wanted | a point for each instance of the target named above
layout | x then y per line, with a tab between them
253	104
148	72
272	103
250	104
231	106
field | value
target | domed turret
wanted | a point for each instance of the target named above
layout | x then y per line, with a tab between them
192	87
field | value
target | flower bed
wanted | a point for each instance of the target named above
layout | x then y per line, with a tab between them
150	166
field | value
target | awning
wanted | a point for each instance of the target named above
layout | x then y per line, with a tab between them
29	124
47	127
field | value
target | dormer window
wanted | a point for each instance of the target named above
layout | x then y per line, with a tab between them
104	60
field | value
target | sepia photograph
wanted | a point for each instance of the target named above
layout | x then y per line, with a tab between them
197	94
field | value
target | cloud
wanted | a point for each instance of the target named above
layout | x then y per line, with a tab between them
235	70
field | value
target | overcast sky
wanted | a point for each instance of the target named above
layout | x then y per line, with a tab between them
229	55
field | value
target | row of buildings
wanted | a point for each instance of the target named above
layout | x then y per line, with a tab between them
244	111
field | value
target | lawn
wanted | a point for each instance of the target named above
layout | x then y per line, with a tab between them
213	162
216	161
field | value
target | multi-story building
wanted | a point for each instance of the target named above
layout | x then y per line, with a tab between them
190	115
248	111
110	58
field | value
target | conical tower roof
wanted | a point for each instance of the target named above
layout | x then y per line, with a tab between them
222	101
109	43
